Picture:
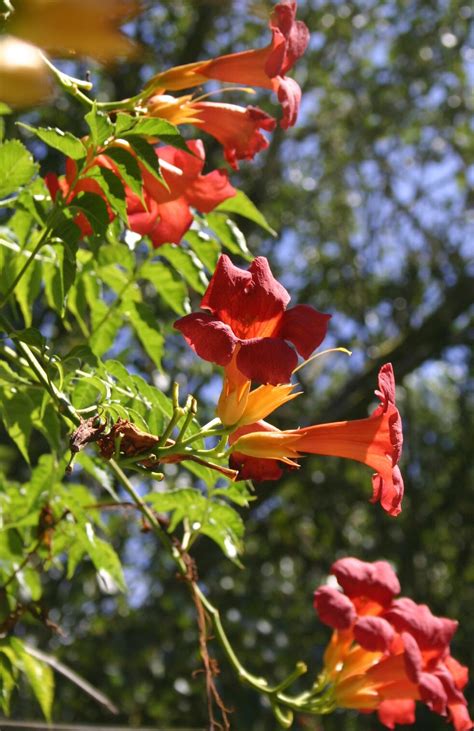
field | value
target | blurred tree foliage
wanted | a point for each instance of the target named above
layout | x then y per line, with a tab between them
369	194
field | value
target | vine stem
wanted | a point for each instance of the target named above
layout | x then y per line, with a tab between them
275	694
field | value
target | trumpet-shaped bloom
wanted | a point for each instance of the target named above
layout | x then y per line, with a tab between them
236	128
375	441
374	661
264	67
247	318
166	216
69	186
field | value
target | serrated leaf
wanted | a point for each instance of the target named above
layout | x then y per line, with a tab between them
101	554
229	234
123	123
95	210
128	168
105	323
17	167
147	156
27	290
39	676
225	526
156	127
113	189
7	683
63	141
16	415
243	206
168	286
186	264
206	249
144	323
236	492
100	126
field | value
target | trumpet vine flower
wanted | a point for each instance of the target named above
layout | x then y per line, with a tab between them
375	441
238	129
164	212
247	325
385	653
264	67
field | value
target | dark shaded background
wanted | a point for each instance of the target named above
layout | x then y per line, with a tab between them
369	194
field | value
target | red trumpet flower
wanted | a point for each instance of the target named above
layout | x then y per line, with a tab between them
265	67
248	321
387	653
375	441
166	216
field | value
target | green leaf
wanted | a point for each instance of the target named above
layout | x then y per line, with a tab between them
186	264
100	126
229	234
28	289
63	141
113	189
144	323
241	204
17	167
147	156
105	323
206	249
16	415
65	229
40	677
123	123
168	286
29	581
101	554
156	127
95	210
30	336
128	168
7	682
236	492
53	286
225	526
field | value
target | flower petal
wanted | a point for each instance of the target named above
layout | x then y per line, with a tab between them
251	302
289	96
376	580
373	633
334	608
206	192
305	327
210	338
430	632
237	129
266	360
396	712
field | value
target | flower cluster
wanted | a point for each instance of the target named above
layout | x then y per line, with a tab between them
386	653
163	212
237	128
247	329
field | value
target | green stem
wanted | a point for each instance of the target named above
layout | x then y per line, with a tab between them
276	696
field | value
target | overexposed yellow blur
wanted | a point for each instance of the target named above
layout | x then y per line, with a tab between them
76	27
25	79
